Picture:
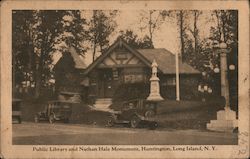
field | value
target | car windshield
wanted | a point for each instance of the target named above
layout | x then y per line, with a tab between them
129	105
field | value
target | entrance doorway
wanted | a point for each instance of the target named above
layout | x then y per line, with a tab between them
106	84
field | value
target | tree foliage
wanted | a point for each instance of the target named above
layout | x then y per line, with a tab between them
75	31
49	27
22	45
132	40
101	26
181	17
152	20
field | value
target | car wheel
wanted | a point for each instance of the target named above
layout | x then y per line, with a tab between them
51	119
134	122
111	121
153	126
36	119
149	114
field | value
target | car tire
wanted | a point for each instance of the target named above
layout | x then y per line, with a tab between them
51	119
149	114
134	122
153	126
111	121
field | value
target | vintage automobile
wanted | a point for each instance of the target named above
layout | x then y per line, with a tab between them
55	111
16	110
137	113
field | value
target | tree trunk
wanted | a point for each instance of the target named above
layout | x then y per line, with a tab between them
30	51
38	81
39	71
94	52
150	27
195	33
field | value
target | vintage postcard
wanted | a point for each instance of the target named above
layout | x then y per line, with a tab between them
124	79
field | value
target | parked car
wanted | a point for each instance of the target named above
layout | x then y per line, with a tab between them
137	113
55	111
16	110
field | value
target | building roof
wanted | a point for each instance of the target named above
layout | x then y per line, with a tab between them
79	63
116	44
164	58
166	61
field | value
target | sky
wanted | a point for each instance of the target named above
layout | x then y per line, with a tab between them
167	36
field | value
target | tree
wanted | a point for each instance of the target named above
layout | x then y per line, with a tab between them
152	20
75	30
102	25
37	34
226	30
227	27
132	40
196	51
182	27
195	30
49	28
23	62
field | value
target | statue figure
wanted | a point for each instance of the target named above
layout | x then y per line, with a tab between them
154	68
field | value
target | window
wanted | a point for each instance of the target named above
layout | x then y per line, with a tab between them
115	74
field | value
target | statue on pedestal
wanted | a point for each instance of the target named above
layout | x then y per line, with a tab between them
154	84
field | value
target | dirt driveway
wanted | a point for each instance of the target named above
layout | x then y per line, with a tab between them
29	133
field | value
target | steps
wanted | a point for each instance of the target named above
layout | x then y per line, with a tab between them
103	104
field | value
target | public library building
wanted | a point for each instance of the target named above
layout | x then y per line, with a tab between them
123	73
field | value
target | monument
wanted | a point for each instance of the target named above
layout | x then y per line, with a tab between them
154	84
226	119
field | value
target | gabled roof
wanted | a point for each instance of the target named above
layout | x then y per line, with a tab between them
79	63
164	58
166	61
118	42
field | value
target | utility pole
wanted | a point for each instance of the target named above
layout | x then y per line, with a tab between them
177	77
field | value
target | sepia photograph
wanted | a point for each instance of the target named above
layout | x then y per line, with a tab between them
97	77
119	80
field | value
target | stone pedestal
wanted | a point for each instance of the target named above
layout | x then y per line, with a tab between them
226	121
154	90
154	84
